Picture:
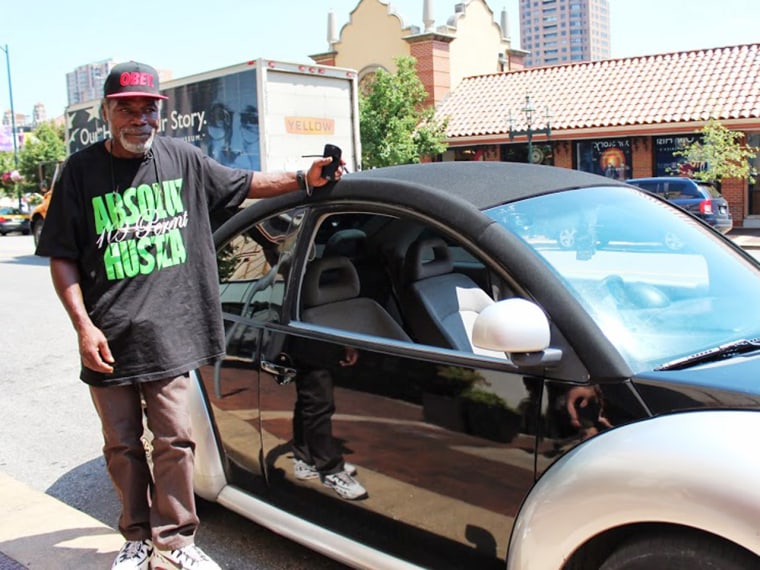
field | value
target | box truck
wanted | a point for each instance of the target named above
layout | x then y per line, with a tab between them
262	115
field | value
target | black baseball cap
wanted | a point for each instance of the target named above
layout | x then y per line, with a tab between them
132	79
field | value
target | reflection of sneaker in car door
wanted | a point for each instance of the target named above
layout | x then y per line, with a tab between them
305	471
345	485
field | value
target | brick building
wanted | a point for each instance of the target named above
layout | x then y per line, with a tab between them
624	116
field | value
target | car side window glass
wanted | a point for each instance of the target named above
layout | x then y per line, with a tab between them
253	266
421	285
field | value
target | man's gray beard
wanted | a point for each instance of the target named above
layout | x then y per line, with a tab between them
137	148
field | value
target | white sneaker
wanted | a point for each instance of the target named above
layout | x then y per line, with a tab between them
187	558
305	471
345	485
134	555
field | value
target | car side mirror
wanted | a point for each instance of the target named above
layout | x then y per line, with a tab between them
518	328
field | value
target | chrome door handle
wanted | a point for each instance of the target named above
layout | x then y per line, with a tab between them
282	374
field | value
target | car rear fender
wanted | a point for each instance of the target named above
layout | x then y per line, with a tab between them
698	469
209	478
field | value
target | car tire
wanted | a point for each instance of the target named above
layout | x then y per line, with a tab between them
673	242
566	238
679	550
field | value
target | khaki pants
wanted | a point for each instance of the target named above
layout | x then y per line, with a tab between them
160	507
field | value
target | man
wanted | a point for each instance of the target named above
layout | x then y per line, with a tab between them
132	259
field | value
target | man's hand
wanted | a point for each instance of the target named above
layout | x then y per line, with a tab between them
94	350
351	357
314	175
93	346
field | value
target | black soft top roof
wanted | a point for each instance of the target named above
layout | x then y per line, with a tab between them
486	184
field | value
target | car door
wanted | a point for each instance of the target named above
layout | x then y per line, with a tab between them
444	440
251	289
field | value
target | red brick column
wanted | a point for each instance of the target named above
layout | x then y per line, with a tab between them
563	154
735	191
642	162
432	54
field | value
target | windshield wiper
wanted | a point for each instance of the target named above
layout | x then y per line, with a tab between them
712	354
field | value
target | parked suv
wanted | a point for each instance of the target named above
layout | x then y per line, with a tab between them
699	198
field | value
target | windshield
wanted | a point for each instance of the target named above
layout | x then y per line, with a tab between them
659	284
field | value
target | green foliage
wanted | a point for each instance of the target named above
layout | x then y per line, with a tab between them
46	144
7	165
6	161
395	125
485	398
720	154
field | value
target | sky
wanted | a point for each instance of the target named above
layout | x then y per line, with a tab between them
46	39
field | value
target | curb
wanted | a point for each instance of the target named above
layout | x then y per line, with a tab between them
38	531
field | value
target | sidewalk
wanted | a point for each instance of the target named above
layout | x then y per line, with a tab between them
39	532
747	238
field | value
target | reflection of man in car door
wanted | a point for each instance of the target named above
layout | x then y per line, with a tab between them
316	453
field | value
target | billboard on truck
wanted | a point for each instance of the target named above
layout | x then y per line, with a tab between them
262	115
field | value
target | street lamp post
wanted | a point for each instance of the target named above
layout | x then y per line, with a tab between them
13	124
528	112
13	113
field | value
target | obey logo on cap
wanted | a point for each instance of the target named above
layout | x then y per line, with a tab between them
132	79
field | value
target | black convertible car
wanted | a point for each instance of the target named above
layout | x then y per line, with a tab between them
491	398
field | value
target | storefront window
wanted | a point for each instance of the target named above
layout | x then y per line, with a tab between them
753	140
608	157
541	153
666	163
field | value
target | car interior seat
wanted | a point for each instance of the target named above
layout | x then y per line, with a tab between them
330	297
440	306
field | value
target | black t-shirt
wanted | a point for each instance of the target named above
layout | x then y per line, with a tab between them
140	233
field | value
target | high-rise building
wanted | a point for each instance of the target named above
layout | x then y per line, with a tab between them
564	31
39	115
86	81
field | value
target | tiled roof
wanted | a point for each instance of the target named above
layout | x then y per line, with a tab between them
631	94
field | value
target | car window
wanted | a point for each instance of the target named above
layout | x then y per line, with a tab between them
657	284
683	191
252	269
653	187
709	191
409	271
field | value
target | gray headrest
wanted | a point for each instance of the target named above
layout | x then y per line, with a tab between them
350	243
427	258
328	280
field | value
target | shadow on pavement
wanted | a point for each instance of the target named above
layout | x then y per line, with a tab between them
88	488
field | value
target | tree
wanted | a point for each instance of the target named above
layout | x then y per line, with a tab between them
44	145
396	127
7	188
720	154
